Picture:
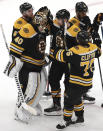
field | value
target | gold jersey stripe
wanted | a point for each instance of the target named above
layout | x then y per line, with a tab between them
51	55
78	105
79	83
68	111
77	77
15	51
51	50
79	109
32	58
67	115
55	91
56	95
57	55
62	56
12	65
20	48
32	62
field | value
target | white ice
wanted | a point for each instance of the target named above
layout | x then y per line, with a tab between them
9	12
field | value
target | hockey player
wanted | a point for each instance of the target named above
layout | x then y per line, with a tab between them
97	22
95	27
57	68
27	58
81	59
83	21
26	10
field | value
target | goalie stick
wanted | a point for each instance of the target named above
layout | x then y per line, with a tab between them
47	92
99	64
65	29
20	93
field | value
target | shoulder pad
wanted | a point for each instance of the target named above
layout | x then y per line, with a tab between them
27	31
93	46
19	23
74	21
55	22
73	30
81	50
75	49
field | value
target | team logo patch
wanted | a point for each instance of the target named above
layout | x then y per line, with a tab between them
73	21
19	22
26	30
76	47
76	29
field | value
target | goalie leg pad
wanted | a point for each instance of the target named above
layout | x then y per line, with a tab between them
13	67
22	115
35	88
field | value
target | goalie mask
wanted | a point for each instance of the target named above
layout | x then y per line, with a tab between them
41	20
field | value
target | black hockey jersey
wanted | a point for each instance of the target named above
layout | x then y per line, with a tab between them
86	25
83	24
53	31
29	45
71	34
81	61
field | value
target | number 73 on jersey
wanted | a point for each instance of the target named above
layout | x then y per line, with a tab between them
89	66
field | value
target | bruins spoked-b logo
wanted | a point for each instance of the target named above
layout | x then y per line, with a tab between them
26	30
19	22
41	46
73	21
59	41
76	30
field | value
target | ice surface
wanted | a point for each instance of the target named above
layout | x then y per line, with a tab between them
9	12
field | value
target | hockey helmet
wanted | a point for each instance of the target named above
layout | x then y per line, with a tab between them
63	14
83	37
24	7
81	7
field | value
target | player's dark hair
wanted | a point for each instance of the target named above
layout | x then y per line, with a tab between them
24	7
